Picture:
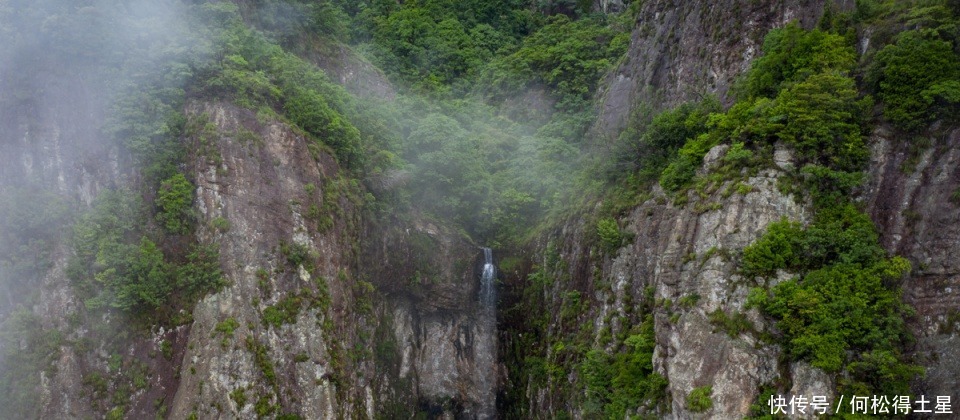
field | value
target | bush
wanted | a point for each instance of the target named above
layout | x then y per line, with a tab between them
913	75
738	155
777	249
310	111
792	53
610	237
649	146
699	399
679	173
199	274
174	202
621	383
822	120
114	266
844	304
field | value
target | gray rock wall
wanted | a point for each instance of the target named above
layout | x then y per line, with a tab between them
683	50
429	275
677	252
913	195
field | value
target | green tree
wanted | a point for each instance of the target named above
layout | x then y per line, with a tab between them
174	204
822	118
792	53
567	55
919	71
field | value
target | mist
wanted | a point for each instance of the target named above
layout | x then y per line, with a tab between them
65	69
93	122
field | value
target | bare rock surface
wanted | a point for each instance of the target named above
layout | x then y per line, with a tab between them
913	195
682	50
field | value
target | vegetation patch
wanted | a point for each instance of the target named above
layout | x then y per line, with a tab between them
699	400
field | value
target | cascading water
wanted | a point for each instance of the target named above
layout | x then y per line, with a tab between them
486	343
488	292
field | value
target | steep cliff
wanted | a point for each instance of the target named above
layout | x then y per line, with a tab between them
445	343
664	279
679	268
681	51
337	295
912	195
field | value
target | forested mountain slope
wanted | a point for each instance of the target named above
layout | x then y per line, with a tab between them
475	209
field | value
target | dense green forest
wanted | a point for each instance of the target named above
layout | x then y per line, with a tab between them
501	175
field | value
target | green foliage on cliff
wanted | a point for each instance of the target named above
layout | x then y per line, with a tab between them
649	146
843	311
774	251
175	202
918	79
116	267
616	385
823	121
568	56
799	93
436	45
791	54
256	72
610	236
699	399
27	349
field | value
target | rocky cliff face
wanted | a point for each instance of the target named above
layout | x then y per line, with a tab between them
678	53
683	50
313	320
446	345
263	187
912	195
682	263
334	313
683	252
52	146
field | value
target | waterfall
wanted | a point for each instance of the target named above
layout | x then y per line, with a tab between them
488	292
486	342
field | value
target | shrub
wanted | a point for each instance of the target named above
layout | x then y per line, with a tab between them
200	273
777	249
791	53
618	384
310	111
733	325
679	173
116	267
921	69
738	155
296	254
822	120
284	312
843	309
174	201
221	224
610	236
227	327
649	147
699	399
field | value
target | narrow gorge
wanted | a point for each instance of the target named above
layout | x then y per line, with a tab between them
509	209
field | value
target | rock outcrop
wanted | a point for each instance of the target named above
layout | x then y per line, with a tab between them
683	50
447	345
687	253
263	186
913	195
